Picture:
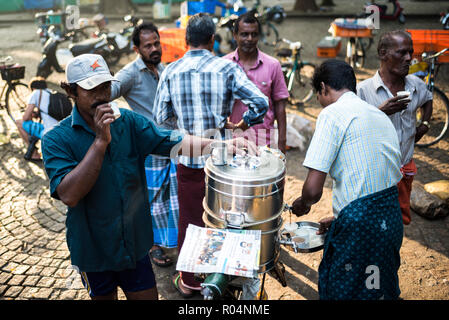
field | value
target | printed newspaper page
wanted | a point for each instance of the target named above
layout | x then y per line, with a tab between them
233	252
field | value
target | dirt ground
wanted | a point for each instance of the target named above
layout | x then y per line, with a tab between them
424	271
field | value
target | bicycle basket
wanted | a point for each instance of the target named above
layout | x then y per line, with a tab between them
14	72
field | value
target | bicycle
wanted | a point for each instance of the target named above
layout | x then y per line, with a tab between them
14	92
359	37
296	71
269	35
439	122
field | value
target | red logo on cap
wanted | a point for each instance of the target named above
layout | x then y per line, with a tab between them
95	65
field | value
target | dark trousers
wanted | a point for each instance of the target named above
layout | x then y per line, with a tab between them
191	190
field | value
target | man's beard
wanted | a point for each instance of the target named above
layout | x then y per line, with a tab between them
154	59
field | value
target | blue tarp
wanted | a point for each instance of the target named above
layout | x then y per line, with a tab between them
40	4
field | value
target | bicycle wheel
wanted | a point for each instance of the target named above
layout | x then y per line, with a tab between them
355	53
270	34
366	43
438	122
303	91
16	99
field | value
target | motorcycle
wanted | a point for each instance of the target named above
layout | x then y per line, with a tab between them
74	35
396	14
445	20
52	57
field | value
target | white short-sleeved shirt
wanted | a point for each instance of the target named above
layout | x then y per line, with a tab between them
357	145
375	92
47	121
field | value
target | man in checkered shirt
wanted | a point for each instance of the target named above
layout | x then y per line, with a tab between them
199	91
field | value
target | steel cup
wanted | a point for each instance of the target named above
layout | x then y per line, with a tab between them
219	153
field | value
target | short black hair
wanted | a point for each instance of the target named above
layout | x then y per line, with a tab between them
38	83
200	29
247	17
143	26
386	39
70	86
337	74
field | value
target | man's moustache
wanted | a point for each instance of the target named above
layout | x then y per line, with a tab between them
96	104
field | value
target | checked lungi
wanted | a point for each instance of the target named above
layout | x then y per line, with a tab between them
361	250
163	196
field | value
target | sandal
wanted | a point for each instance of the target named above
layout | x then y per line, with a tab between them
185	294
160	255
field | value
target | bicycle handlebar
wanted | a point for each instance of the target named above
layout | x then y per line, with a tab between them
436	55
6	59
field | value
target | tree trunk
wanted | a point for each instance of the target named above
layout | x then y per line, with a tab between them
305	5
116	6
327	3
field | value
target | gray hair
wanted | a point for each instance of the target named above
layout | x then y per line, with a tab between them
386	40
200	30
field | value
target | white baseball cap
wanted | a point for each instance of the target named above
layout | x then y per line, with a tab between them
88	71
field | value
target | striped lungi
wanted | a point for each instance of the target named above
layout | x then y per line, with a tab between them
361	250
163	196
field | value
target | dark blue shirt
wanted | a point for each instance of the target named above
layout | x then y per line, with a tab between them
110	228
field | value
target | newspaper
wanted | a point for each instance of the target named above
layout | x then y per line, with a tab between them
232	252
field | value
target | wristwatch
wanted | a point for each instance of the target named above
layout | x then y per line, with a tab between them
426	123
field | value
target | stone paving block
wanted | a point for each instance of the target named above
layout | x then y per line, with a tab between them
56	263
31	281
5	276
68	295
21	269
34	270
45	262
16	280
13	292
48	272
10	266
8	255
46	282
19	258
8	220
61	283
31	260
14	245
4	241
3	289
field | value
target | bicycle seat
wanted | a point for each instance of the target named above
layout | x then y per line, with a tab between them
83	46
284	52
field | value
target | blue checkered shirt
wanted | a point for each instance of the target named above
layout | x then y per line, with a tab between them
199	91
357	145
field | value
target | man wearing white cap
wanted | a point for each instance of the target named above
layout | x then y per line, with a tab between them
95	162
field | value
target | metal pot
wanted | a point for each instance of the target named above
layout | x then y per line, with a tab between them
247	193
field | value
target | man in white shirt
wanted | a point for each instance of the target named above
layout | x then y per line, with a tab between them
395	51
29	130
357	145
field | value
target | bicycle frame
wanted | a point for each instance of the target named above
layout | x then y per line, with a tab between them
291	74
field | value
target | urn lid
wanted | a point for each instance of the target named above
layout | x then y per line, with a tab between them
267	167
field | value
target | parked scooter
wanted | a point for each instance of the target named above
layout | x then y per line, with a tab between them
397	12
74	34
52	56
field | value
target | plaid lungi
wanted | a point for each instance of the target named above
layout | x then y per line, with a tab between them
163	196
361	250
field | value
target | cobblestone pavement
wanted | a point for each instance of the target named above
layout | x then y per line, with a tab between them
35	261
